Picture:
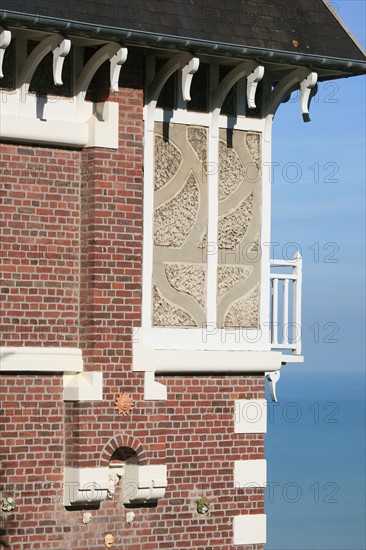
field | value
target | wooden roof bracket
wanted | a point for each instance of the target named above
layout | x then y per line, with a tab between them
273	378
183	61
5	39
306	79
60	47
254	74
117	56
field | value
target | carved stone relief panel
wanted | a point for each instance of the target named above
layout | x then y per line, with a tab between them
180	221
240	196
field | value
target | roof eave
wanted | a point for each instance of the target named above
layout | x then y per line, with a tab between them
332	66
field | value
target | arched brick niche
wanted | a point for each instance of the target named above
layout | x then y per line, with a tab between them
118	447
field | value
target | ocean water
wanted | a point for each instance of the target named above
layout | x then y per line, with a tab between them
315	449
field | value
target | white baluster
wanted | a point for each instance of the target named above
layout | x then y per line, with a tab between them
285	311
275	313
297	303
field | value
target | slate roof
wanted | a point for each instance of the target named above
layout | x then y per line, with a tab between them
298	27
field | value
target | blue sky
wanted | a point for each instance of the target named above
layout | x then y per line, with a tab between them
324	212
327	219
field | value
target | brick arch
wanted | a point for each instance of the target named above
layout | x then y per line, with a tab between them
118	441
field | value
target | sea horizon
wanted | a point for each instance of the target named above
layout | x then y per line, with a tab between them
315	450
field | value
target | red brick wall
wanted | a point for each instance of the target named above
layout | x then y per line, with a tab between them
85	209
40	220
192	432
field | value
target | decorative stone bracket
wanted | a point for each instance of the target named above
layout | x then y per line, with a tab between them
85	486
273	378
144	484
5	39
90	486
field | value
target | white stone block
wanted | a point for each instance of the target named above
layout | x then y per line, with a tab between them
144	483
250	416
153	390
85	386
37	359
250	529
250	473
83	486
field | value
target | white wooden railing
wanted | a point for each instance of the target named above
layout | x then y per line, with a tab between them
286	304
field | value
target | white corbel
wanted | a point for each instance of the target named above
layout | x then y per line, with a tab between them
183	61
144	484
85	486
187	74
252	83
117	60
117	57
273	378
306	88
5	39
298	77
59	54
60	48
243	69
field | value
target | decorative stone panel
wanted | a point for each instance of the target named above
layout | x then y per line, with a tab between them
181	225
169	161
240	196
180	220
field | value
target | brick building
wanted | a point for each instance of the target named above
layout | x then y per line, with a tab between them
141	312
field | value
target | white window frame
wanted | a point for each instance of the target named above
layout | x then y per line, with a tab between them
212	337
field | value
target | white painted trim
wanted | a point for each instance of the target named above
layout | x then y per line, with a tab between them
204	119
266	232
250	473
212	228
287	358
250	529
209	337
54	132
250	416
148	225
37	359
210	361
